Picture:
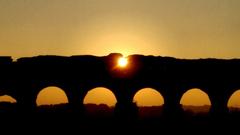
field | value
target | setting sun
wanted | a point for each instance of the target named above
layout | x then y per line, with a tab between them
122	62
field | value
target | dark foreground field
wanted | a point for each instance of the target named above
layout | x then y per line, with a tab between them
101	119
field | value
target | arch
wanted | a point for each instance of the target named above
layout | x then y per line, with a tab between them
100	95
7	104
148	97
150	103
99	102
196	101
234	102
7	98
51	95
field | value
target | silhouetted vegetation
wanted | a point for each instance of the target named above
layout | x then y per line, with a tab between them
102	116
8	107
196	110
103	110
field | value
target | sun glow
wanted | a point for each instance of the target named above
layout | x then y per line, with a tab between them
122	62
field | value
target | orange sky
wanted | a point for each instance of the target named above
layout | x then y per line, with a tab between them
179	28
184	29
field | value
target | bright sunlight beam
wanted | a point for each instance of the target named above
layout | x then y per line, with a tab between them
122	62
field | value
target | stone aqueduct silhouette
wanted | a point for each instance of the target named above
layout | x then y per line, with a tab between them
76	75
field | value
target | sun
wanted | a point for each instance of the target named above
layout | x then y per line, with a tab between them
122	62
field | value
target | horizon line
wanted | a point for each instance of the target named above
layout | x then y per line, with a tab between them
114	53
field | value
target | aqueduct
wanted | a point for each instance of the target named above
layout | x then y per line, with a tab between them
76	75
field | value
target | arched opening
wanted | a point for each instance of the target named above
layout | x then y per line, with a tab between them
7	103
99	102
195	101
234	102
51	99
149	102
7	99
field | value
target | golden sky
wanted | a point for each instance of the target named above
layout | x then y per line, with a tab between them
178	28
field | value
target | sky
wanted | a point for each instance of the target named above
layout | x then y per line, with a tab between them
177	28
184	29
